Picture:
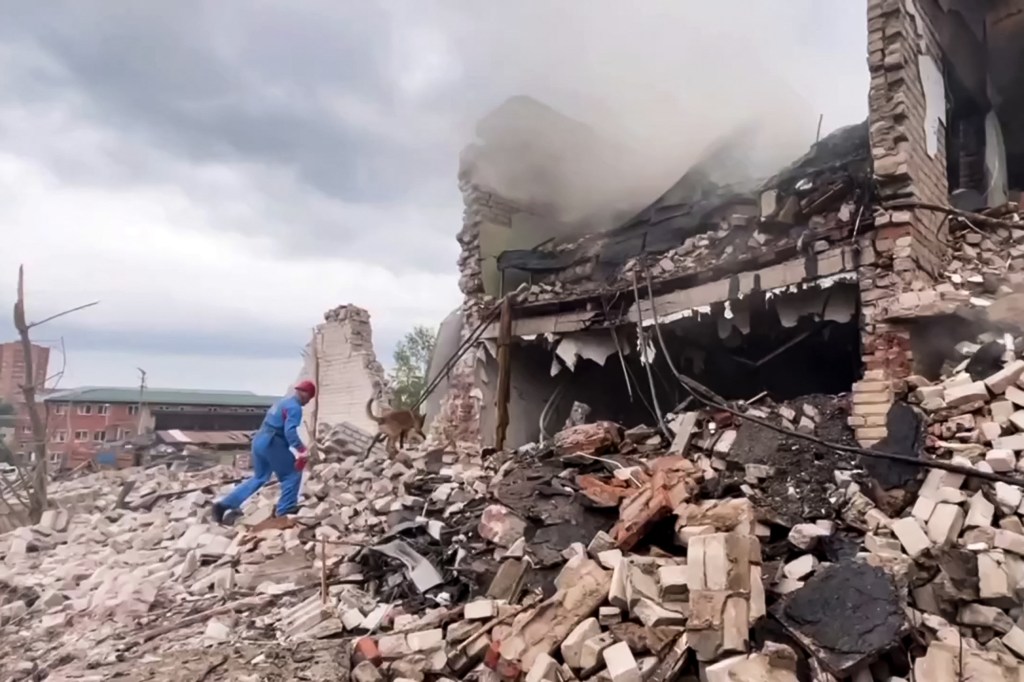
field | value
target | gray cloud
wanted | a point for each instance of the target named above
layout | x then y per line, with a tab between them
241	336
300	103
327	131
222	85
315	89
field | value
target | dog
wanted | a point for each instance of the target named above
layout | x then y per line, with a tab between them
395	425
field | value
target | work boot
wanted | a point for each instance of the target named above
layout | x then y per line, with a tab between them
219	510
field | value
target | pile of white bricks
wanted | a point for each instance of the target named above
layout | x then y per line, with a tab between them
76	587
872	398
972	532
705	603
985	269
980	421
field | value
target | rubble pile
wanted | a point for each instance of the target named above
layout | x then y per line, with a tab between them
990	260
739	550
82	590
730	241
965	536
985	269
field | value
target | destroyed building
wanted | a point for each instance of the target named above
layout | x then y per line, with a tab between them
729	530
818	279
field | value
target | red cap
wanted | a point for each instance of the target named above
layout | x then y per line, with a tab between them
306	387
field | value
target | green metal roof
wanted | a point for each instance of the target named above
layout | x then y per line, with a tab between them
161	396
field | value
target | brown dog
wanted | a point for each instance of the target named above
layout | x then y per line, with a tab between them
395	425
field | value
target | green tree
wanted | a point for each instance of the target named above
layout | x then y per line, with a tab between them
6	456
412	357
6	410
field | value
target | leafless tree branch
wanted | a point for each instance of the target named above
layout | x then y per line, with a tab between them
13	493
35	483
32	325
58	375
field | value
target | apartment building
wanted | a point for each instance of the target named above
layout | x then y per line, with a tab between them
12	378
81	421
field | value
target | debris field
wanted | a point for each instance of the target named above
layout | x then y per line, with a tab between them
757	543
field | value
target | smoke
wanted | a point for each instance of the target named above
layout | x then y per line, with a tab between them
658	83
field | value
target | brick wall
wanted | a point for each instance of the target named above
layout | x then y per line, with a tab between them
887	273
884	259
491	223
478	205
84	427
349	373
907	118
458	418
908	144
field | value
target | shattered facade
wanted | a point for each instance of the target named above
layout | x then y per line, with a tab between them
341	360
771	238
851	210
931	98
731	531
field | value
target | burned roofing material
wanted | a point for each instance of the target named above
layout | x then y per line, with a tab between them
844	149
701	223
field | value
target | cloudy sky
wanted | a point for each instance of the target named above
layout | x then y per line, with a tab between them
218	174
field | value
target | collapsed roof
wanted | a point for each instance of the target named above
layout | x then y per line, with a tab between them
715	221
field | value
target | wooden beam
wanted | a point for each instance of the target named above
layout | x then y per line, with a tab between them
504	371
558	323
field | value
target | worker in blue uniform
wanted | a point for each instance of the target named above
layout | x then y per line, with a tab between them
276	450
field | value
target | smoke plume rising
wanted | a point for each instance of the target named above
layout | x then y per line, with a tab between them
661	84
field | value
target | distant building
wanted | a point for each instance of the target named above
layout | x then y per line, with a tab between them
80	421
12	369
12	378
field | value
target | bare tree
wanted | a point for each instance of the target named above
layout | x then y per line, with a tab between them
30	490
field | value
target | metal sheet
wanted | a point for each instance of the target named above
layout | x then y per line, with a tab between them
420	571
179	437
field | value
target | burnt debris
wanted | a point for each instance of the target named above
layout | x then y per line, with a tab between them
698	225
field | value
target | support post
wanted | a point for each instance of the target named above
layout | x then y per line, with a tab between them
504	371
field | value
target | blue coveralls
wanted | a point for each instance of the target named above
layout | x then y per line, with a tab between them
270	454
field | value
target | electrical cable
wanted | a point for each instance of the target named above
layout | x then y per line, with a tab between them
646	361
716	401
456	355
627	372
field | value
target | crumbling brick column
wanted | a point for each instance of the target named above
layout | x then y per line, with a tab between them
908	147
907	115
885	347
459	419
340	357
